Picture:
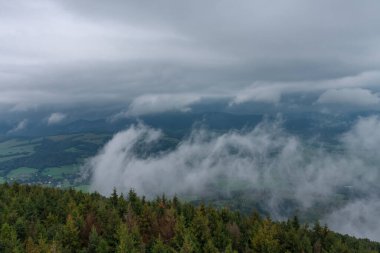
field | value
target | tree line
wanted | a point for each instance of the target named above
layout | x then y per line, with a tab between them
41	219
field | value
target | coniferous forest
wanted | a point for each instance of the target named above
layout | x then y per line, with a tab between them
40	219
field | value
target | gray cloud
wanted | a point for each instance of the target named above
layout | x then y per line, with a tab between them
339	90
364	138
356	96
20	126
264	159
160	103
70	53
55	118
359	218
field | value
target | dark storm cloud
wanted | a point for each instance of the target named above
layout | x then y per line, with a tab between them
96	52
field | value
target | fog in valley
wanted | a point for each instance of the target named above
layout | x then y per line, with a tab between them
264	159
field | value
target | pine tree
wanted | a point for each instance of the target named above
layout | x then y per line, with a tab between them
188	245
295	222
210	247
30	246
114	198
160	247
200	229
8	239
70	235
128	241
229	249
96	244
179	233
265	241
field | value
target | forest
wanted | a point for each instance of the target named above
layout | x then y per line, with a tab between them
44	219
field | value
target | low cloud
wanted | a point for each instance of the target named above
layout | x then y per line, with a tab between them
364	138
356	97
265	159
265	94
355	90
56	118
157	103
19	127
359	218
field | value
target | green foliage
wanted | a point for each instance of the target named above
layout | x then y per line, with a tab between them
129	240
70	235
8	239
160	247
36	219
266	238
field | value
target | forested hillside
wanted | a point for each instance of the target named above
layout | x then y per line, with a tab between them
39	219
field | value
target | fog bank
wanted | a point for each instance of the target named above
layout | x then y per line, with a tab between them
263	159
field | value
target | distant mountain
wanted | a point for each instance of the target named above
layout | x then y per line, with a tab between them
179	124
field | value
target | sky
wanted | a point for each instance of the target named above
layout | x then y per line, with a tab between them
147	57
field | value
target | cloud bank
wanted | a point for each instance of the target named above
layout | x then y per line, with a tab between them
264	159
64	54
355	96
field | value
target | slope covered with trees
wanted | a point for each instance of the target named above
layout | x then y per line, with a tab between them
38	219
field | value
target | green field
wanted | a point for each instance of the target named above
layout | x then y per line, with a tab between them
23	172
16	148
61	172
72	149
97	139
49	160
85	137
59	138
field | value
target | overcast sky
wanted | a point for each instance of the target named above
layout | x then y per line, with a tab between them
155	56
